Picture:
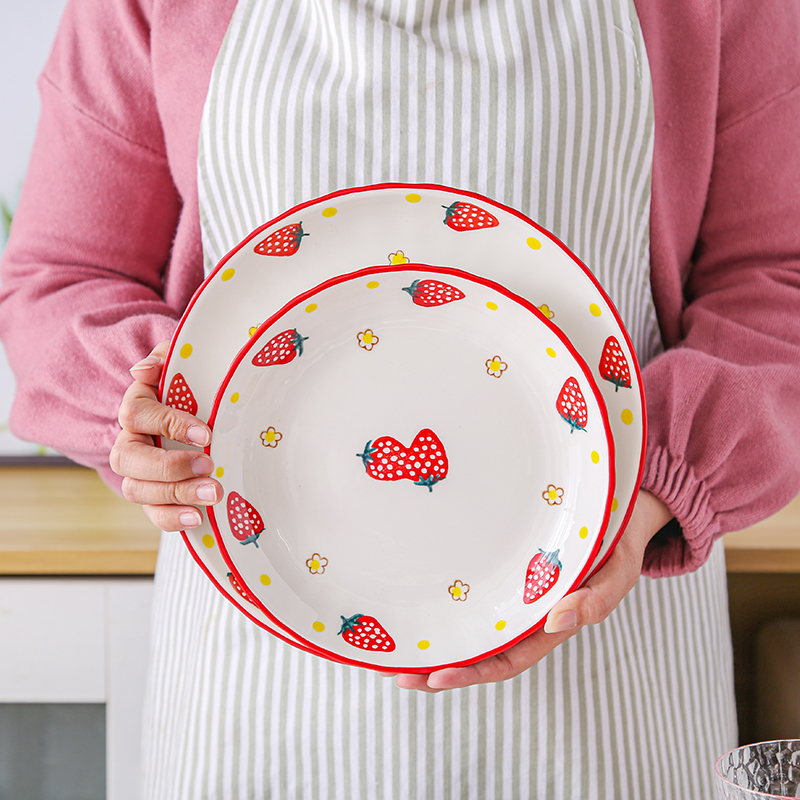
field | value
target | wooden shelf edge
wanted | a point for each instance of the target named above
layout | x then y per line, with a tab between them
762	560
53	563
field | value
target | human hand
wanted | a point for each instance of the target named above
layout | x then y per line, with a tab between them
588	605
167	483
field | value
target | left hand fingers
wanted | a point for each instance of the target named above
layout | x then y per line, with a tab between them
501	667
588	605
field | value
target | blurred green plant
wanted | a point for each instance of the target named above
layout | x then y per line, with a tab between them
7	214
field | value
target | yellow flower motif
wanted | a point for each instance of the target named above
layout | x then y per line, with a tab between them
495	366
554	495
316	564
398	258
547	311
367	339
270	437
459	590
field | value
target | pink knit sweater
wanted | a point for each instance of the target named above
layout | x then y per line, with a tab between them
105	250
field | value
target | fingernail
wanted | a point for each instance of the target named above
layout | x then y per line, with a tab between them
564	621
190	519
147	363
197	435
202	465
207	492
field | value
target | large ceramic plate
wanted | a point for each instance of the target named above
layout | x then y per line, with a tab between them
416	464
390	223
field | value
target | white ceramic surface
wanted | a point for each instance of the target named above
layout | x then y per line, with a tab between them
385	224
398	446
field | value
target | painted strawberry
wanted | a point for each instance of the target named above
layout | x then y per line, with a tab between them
543	571
283	242
366	633
180	396
241	589
280	349
430	293
424	462
614	366
571	404
245	522
461	216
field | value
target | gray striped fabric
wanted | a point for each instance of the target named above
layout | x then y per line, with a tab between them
545	106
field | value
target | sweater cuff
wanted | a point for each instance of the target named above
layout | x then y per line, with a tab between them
676	550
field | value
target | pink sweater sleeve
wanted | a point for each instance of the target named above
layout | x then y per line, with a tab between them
82	277
724	399
105	250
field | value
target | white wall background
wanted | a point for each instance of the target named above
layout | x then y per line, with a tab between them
26	33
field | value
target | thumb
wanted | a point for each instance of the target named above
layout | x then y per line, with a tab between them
148	370
601	594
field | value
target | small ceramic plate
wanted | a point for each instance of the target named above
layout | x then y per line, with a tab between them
417	465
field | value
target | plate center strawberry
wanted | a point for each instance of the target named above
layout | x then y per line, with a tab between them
424	462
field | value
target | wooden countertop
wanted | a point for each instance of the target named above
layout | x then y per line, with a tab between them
66	521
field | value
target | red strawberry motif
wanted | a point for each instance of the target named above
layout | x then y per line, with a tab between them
180	396
425	462
571	404
283	242
245	522
241	589
543	571
462	216
614	366
366	633
431	293
280	349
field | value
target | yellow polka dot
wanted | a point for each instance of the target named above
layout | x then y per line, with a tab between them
186	350
614	504
319	627
373	284
627	416
266	580
424	644
500	624
594	310
551	352
329	212
413	198
553	494
311	308
595	457
314	564
583	532
220	472
491	306
367	338
534	243
494	365
208	541
455	591
269	436
235	397
228	274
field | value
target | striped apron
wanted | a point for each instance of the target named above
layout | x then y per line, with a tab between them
547	107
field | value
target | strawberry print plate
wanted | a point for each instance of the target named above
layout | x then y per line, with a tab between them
393	224
416	466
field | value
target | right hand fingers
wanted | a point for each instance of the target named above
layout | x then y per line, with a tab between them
167	483
141	413
169	504
153	475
